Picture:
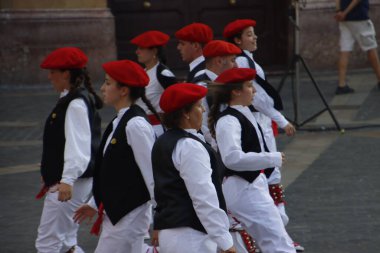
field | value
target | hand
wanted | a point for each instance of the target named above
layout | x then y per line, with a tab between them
290	130
282	157
154	240
340	16
84	212
64	192
230	250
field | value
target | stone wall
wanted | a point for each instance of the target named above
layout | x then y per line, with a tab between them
319	36
27	35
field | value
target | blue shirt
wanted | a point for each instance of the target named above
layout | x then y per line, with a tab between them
359	12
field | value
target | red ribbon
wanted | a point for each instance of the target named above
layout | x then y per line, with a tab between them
42	192
96	227
274	128
154	120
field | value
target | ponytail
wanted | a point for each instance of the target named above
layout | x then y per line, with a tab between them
89	87
161	55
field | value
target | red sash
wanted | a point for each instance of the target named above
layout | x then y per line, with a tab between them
96	227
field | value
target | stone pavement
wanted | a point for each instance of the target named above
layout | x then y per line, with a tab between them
331	178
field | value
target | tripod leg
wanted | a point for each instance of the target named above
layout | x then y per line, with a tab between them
320	94
283	79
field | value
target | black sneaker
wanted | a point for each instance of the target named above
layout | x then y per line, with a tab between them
343	90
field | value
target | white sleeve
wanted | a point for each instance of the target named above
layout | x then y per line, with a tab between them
167	73
77	152
228	137
242	62
193	163
264	104
141	137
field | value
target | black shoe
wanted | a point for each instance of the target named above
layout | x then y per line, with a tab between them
343	90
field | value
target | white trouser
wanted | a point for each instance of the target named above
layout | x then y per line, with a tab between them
275	177
57	231
185	240
128	234
252	205
238	243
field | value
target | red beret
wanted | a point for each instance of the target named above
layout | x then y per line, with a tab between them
236	75
178	95
196	32
237	26
65	58
127	72
151	39
220	48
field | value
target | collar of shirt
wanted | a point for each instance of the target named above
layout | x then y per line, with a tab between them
249	54
120	114
64	93
152	70
194	63
195	132
211	75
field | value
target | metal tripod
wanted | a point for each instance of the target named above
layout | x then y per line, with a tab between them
294	71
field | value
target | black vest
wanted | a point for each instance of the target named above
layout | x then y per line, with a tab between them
174	206
165	81
54	137
249	143
269	89
191	75
118	182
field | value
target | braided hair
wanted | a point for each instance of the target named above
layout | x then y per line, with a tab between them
79	77
139	92
221	94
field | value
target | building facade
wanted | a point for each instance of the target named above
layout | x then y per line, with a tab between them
102	29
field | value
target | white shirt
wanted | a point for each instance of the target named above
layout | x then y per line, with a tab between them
141	137
205	129
154	89
265	105
192	161
228	136
195	63
242	62
262	101
77	153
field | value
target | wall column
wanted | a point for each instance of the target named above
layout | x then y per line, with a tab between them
29	30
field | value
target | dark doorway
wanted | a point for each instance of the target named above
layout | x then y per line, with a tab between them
133	17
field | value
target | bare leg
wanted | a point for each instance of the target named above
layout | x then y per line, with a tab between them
342	67
374	60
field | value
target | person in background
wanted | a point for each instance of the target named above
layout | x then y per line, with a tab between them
191	40
355	25
219	56
267	103
247	160
123	180
191	213
70	140
150	46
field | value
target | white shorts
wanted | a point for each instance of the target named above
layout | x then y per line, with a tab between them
361	31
